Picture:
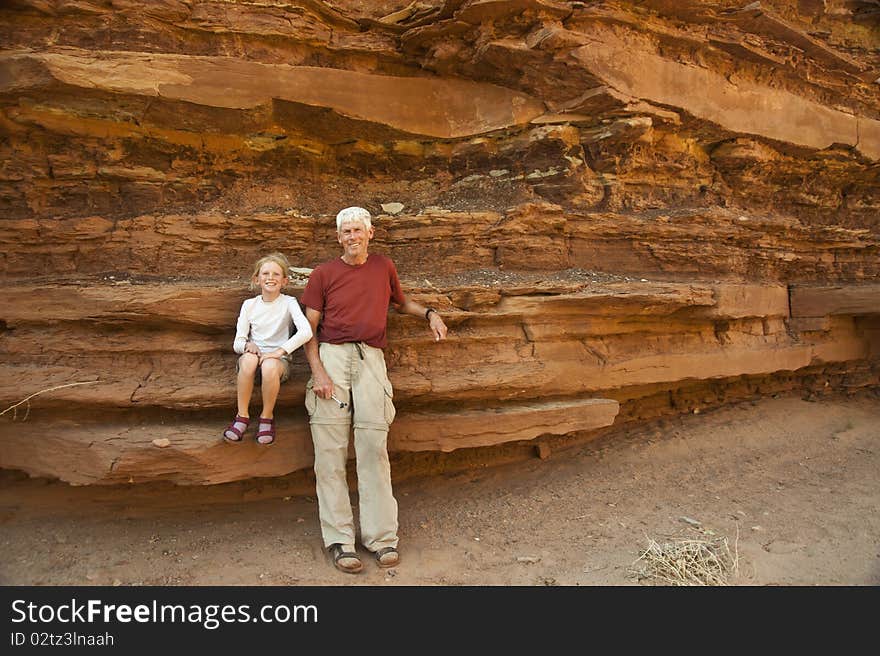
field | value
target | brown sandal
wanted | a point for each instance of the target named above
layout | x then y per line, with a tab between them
389	562
338	554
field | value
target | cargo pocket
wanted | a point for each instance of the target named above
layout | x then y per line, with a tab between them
390	411
311	398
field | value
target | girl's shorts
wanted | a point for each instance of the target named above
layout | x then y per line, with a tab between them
285	368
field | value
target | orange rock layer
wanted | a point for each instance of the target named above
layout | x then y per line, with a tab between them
619	207
125	363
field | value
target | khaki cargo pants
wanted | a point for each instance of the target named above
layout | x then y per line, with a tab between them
360	380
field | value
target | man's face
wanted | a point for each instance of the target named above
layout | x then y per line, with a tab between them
355	238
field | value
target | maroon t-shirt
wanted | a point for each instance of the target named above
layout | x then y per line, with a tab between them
353	299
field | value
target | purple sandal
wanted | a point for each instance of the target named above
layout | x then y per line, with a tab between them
233	433
266	432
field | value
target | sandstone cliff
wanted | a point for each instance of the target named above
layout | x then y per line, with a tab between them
622	209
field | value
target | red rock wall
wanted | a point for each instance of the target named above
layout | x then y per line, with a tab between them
622	209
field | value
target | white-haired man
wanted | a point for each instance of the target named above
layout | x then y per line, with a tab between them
347	302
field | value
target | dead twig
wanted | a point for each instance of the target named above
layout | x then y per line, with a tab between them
27	399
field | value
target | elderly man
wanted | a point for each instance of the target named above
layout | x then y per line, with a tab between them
347	302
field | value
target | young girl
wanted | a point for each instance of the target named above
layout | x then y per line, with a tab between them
262	338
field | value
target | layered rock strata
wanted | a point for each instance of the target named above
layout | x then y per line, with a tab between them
153	360
621	208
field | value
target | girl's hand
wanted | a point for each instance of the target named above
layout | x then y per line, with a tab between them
250	347
277	354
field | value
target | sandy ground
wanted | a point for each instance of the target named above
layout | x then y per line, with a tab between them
793	485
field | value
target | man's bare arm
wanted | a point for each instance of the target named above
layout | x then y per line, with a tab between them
435	322
321	381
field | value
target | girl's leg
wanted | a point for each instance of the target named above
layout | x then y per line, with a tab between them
247	370
271	371
247	367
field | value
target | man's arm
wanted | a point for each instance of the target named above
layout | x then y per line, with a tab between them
321	381
435	322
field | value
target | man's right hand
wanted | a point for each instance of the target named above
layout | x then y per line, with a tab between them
321	382
322	385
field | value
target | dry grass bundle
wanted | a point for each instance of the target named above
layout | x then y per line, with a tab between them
689	561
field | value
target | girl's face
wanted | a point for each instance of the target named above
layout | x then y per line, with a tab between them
271	278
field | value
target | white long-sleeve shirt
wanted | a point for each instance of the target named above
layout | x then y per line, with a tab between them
269	325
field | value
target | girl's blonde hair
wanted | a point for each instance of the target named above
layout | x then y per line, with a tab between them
277	258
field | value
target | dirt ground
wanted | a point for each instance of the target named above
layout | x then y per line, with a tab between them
793	485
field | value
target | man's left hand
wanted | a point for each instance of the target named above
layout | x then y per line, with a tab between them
438	328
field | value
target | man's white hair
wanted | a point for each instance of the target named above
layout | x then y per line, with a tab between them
353	214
